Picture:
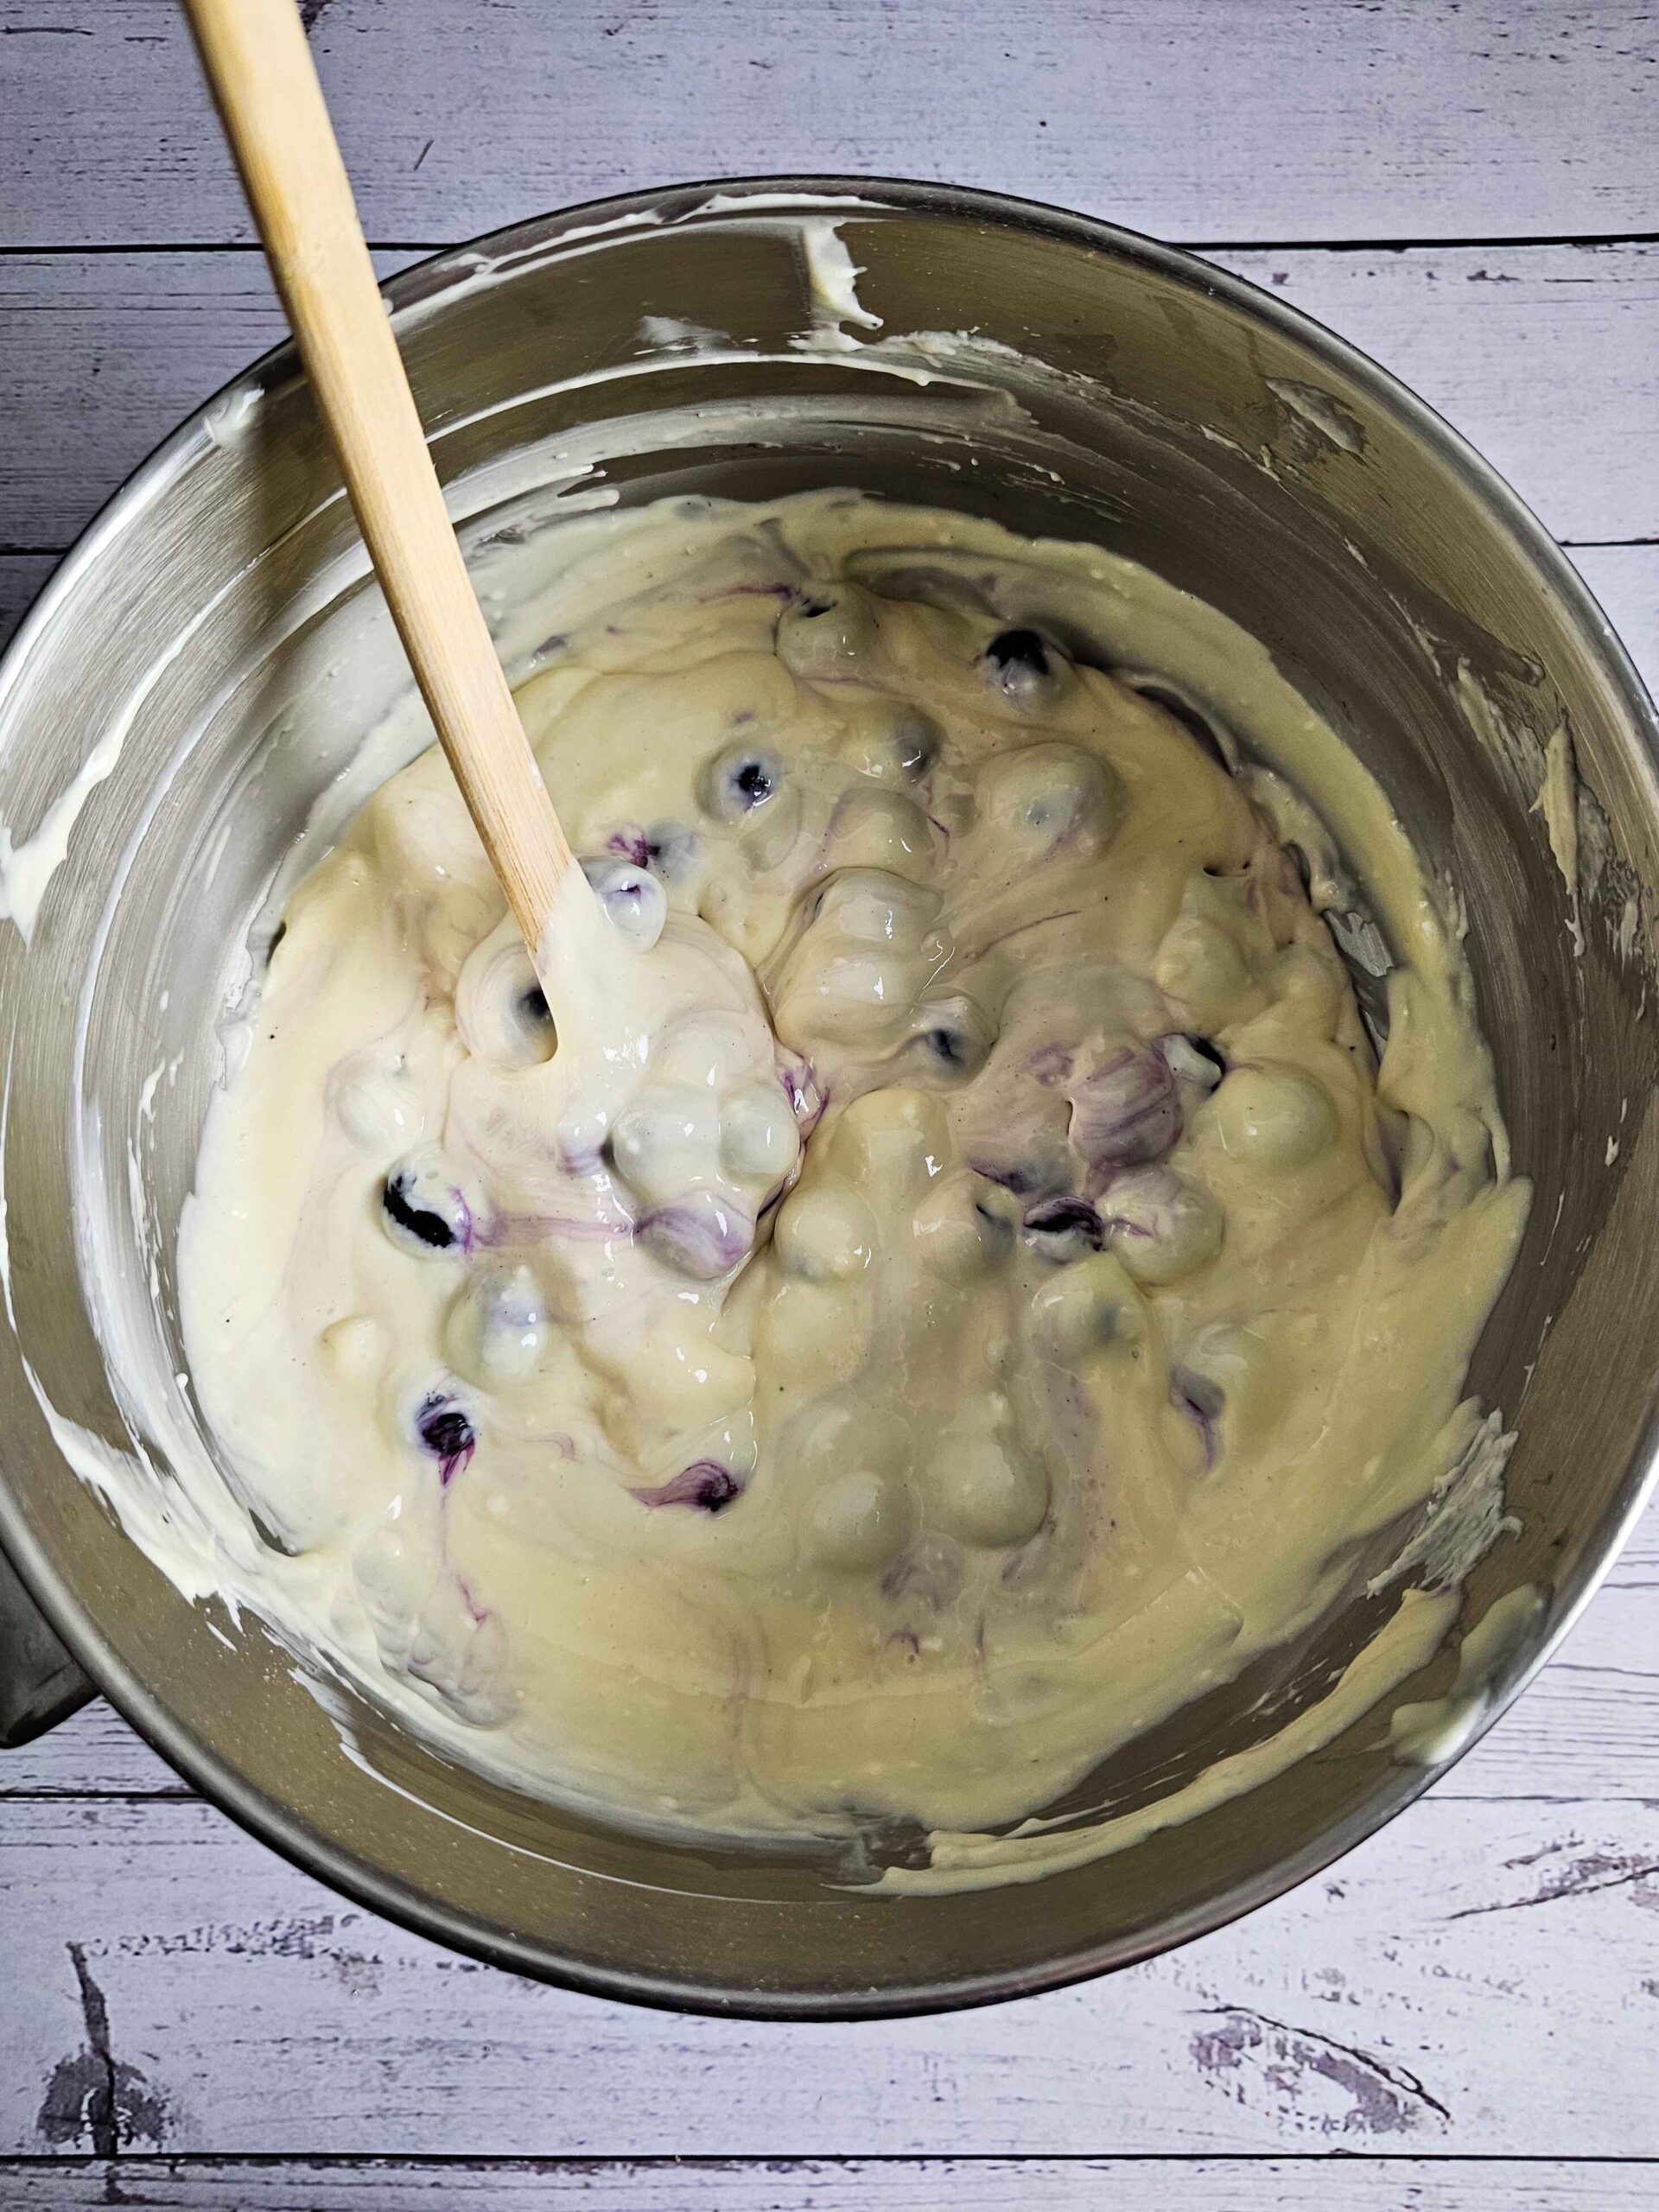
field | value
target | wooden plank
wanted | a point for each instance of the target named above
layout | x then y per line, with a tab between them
1198	119
1625	579
853	2185
1588	1727
1544	358
1480	1979
101	354
22	576
94	1753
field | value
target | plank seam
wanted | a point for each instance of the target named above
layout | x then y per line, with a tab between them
1495	242
180	1793
809	2162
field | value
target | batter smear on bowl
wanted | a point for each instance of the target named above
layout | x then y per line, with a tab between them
937	1279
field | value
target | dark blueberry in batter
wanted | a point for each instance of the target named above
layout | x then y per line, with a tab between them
738	780
405	1212
421	1208
1208	1051
955	1035
705	1482
446	1432
633	899
1065	1229
1020	657
532	1003
630	845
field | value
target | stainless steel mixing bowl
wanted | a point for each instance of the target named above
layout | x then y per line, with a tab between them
1127	394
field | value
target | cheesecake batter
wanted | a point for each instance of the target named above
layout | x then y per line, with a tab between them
930	1277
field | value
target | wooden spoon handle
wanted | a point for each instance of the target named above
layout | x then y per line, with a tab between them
266	86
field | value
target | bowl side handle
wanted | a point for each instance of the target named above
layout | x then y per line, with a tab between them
40	1682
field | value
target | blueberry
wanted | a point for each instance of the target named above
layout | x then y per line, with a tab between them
1201	1401
635	903
703	1236
806	1095
1126	1112
532	1003
915	746
893	743
1051	1064
828	635
665	848
1194	1060
1019	649
704	1483
421	1211
738	780
1160	1224
956	1036
1207	1051
1064	1228
1013	1175
497	1327
1018	661
427	1227
445	1431
1047	797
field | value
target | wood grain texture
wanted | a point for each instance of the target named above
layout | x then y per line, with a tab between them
1324	2184
1625	579
22	576
101	355
1198	119
94	1753
1545	358
1478	1978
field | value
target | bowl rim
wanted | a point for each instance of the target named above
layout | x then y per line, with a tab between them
612	219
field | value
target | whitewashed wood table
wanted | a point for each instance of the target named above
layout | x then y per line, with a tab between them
1464	2014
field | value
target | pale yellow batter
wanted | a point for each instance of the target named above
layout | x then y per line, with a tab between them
937	1281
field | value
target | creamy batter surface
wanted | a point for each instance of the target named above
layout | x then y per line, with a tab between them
933	1278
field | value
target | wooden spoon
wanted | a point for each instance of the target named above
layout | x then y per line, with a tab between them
264	81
